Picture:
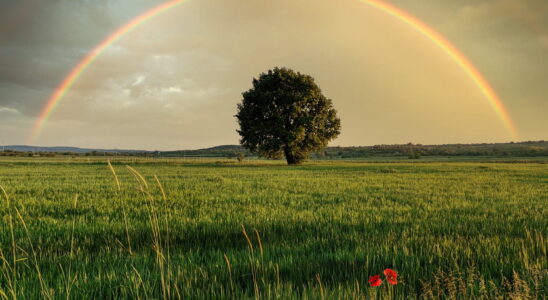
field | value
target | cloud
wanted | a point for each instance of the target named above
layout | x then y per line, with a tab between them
175	81
512	15
8	110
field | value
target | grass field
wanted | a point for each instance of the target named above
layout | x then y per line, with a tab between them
180	229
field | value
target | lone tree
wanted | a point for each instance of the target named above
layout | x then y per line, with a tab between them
286	114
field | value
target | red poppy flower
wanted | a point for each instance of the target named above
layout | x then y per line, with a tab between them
375	280
391	276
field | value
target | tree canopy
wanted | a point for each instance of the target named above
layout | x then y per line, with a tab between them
286	114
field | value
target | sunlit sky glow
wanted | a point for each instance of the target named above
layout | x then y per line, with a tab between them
174	82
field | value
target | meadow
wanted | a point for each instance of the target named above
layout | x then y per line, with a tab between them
217	229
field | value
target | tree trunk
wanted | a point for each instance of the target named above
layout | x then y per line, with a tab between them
291	158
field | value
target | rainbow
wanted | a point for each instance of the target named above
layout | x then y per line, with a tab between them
82	66
455	54
387	8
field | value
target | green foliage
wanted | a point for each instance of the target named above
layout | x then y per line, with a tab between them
286	114
414	155
451	230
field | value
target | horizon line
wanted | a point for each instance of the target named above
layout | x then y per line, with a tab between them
329	146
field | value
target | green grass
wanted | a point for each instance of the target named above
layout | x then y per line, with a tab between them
468	230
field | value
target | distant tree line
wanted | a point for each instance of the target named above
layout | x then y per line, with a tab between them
522	149
415	151
27	153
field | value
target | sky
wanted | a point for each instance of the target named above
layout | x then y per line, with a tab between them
174	82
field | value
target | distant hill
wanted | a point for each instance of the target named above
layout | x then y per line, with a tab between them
24	148
217	151
224	148
61	149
